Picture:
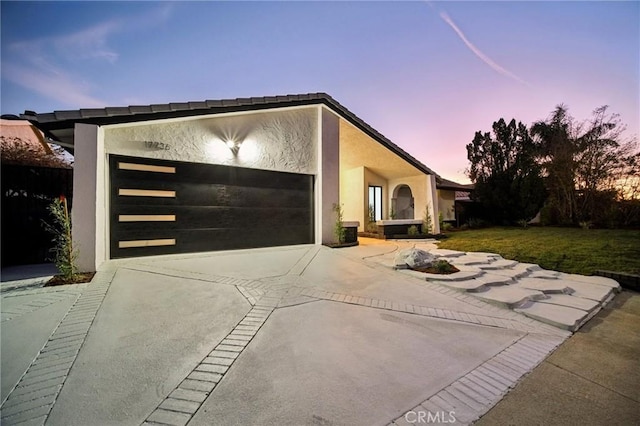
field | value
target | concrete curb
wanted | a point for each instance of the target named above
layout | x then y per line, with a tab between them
629	281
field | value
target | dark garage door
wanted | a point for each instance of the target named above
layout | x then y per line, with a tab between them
162	207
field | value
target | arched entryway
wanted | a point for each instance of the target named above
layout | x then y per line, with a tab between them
403	202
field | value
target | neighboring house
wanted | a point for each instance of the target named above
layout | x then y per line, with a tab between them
21	143
229	174
33	174
451	195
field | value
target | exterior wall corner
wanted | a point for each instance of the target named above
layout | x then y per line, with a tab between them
432	202
88	213
329	175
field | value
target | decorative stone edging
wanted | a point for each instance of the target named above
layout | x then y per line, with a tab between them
37	390
521	287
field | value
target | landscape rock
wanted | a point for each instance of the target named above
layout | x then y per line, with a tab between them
413	258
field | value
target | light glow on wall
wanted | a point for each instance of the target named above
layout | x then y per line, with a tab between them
218	151
249	152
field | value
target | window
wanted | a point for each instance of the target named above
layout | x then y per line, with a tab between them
375	201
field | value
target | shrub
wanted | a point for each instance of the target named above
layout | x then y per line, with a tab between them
371	224
476	223
339	230
443	267
586	224
413	230
427	221
446	226
64	254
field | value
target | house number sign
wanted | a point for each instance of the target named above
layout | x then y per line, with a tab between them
156	146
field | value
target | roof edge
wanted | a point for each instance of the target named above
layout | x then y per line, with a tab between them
66	119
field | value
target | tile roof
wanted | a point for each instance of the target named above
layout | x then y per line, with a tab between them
454	186
28	134
60	124
130	113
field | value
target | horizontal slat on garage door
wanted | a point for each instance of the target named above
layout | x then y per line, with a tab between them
161	207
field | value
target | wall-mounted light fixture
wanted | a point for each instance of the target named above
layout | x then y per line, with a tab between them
234	146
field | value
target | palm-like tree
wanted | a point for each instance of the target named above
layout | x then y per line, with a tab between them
556	143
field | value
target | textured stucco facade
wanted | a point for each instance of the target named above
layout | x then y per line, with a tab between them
284	140
299	140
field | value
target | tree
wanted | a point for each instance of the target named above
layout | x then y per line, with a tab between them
587	165
507	178
556	148
20	152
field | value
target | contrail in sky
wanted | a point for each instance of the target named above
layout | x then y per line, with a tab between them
484	58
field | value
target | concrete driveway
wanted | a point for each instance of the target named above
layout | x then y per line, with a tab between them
292	335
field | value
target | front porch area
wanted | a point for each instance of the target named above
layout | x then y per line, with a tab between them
385	192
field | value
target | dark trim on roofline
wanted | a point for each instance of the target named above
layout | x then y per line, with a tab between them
59	120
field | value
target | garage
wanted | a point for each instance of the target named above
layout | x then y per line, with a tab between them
167	207
201	176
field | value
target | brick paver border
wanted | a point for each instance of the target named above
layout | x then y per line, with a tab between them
185	400
514	322
472	395
32	399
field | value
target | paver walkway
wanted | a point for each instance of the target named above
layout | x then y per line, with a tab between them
566	301
304	335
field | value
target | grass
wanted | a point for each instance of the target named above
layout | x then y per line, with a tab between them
572	250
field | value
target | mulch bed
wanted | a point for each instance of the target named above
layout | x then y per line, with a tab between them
83	277
432	270
333	245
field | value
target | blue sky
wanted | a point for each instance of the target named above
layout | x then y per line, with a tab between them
425	74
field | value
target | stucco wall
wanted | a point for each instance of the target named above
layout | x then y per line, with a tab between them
433	202
352	195
418	185
284	140
329	175
423	189
446	204
89	214
372	179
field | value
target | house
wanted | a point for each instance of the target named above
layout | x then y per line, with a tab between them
230	174
451	199
22	144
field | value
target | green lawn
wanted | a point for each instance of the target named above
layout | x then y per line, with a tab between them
572	250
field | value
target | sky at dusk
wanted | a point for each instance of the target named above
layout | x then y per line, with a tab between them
427	75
